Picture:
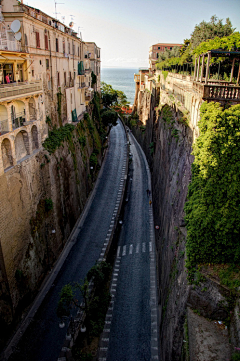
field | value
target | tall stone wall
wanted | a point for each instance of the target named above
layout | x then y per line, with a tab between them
188	313
41	199
170	161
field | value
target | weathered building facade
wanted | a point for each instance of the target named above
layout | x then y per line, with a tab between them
45	75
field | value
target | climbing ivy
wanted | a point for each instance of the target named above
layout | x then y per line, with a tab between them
213	205
57	136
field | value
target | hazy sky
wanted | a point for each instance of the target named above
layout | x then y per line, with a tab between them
125	29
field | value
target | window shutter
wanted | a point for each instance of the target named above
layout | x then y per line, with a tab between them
46	42
37	39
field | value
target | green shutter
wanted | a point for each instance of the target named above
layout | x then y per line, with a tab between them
74	115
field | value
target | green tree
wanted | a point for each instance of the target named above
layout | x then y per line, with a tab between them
209	30
95	303
213	205
109	117
112	97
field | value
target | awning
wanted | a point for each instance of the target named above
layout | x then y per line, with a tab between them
9	58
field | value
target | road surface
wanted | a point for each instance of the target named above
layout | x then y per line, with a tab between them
43	339
131	325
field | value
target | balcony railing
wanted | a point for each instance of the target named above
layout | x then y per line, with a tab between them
19	120
11	45
136	77
81	85
216	91
17	89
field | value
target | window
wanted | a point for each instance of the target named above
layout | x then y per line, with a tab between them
58	79
78	52
159	48
46	41
32	73
73	49
170	48
63	46
65	78
57	45
47	64
157	55
37	39
69	48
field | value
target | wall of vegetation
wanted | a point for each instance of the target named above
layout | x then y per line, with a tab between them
213	206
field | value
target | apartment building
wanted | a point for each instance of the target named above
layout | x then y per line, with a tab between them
42	73
95	63
154	51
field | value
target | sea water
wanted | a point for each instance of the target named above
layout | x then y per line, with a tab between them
121	79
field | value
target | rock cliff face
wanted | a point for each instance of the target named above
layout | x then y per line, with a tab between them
170	160
185	310
41	199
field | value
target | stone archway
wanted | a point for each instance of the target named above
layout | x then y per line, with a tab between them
18	113
3	120
21	145
34	133
32	109
6	153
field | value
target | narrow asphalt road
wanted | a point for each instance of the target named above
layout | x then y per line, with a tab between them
130	332
43	339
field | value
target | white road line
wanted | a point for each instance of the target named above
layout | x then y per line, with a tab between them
124	251
150	246
131	249
118	251
138	247
144	247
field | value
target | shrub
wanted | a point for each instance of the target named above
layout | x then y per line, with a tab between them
213	206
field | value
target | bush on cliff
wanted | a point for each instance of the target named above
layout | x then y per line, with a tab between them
213	206
57	136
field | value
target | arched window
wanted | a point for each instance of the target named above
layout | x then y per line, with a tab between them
6	153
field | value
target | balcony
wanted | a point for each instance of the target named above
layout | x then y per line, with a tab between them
16	90
217	91
81	85
10	45
18	121
136	78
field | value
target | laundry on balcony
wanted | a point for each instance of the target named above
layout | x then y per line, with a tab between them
80	68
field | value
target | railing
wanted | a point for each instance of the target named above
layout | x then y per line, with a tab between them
11	45
136	77
81	85
19	120
15	89
217	92
18	8
221	92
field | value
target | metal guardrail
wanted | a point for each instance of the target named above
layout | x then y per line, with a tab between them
15	89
